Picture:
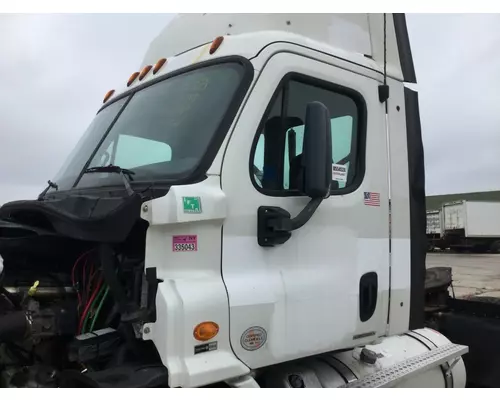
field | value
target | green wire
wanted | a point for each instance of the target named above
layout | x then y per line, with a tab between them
94	302
103	299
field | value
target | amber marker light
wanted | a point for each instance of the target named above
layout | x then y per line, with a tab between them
132	78
145	71
205	331
216	44
108	95
158	65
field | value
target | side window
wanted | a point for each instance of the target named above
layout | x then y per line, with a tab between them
258	165
278	149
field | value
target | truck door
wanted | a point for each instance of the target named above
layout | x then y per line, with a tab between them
327	287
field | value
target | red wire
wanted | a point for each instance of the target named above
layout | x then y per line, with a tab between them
73	271
92	275
76	263
83	278
89	303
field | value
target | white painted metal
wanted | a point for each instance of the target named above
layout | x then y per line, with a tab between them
434	223
454	215
304	293
395	350
334	370
477	218
399	312
357	34
410	367
192	290
483	219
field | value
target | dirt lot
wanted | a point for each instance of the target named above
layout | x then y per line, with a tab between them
473	274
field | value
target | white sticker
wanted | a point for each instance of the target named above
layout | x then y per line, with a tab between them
253	338
339	173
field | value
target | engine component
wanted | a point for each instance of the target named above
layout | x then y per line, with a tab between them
41	292
78	323
131	376
94	345
35	376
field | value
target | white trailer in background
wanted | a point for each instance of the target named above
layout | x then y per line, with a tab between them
434	230
473	225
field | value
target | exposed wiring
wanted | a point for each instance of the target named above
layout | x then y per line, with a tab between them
73	277
87	307
97	312
91	313
85	294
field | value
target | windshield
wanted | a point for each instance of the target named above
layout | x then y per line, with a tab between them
161	132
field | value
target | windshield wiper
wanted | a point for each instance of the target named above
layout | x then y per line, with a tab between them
51	185
117	170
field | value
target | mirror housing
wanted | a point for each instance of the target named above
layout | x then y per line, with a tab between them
275	225
317	152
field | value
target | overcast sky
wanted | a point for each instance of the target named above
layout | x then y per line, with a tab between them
55	70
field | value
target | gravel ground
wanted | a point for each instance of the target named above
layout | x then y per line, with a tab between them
473	274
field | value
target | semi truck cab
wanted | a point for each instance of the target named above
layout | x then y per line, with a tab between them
267	173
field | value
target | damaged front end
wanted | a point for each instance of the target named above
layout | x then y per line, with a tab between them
74	294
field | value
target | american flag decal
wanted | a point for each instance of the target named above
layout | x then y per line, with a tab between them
372	199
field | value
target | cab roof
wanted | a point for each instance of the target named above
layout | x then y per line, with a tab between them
356	34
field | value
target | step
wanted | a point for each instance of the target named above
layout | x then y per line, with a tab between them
389	377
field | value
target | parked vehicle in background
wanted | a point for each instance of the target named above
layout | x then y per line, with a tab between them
434	230
472	225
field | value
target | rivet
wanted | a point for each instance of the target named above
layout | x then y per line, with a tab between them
145	208
147	330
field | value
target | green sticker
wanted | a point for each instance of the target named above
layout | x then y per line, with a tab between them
192	205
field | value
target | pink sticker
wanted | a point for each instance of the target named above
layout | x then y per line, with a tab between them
185	243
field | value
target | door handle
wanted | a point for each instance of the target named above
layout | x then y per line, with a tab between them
368	293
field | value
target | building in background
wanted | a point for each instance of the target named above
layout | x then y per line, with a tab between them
435	202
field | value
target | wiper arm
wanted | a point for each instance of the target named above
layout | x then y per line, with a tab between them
51	185
117	170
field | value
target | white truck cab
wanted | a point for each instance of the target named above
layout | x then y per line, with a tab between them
290	222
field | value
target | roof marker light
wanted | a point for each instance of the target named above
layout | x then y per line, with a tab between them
216	44
158	65
108	95
145	71
132	78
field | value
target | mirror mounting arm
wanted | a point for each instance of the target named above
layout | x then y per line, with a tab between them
275	225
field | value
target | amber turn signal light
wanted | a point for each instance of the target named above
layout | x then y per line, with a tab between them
205	331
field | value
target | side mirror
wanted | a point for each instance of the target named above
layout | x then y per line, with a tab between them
274	224
317	152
